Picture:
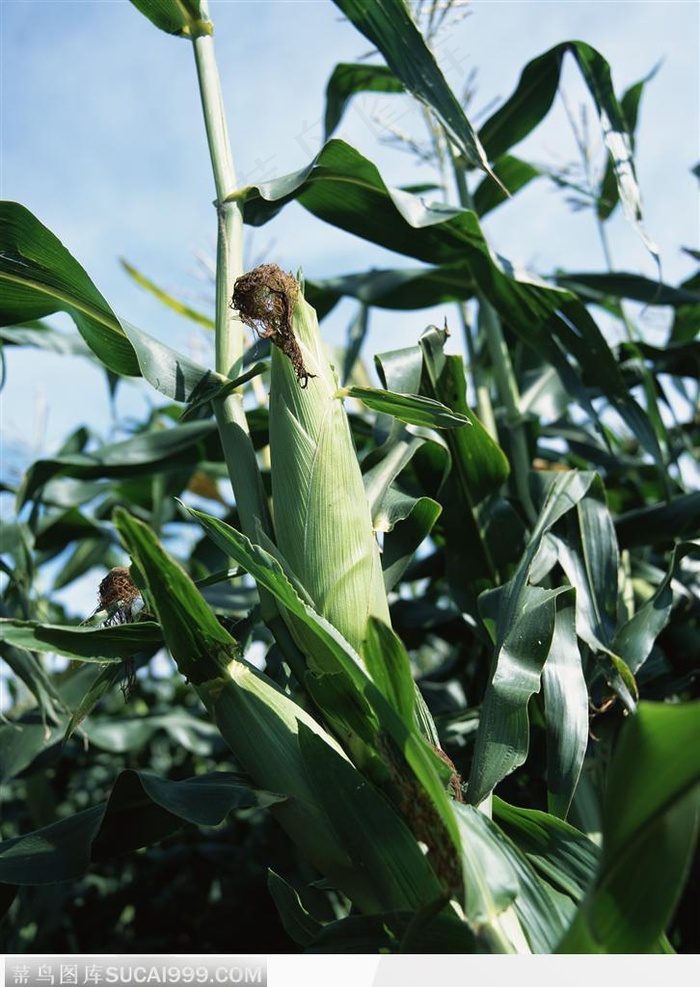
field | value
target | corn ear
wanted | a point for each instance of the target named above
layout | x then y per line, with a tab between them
322	519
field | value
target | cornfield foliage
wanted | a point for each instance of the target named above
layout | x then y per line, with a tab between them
432	645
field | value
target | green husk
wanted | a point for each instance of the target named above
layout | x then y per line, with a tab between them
322	520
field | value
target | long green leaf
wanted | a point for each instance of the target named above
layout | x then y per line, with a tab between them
398	288
560	853
377	839
508	905
173	448
513	174
525	622
413	409
40	277
566	710
141	810
100	644
388	25
332	654
343	188
470	493
502	740
532	99
588	553
596	287
650	830
349	80
166	298
608	196
43	337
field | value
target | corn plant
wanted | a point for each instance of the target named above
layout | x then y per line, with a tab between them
536	592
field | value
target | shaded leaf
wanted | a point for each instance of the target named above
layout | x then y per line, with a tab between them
299	925
180	17
332	654
376	838
108	644
347	80
513	174
566	858
532	99
660	523
649	833
400	288
142	809
597	287
173	447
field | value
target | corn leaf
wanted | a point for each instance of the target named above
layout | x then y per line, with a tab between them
42	337
255	718
650	833
634	640
377	839
29	670
588	553
508	905
104	683
597	287
525	623
298	923
390	667
268	573
347	81
608	196
659	523
476	472
99	644
532	99
404	289
388	25
177	447
404	520
39	277
19	747
166	298
180	17
513	174
562	855
141	810
566	710
413	409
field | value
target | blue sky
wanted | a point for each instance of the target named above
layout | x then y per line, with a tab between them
101	137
